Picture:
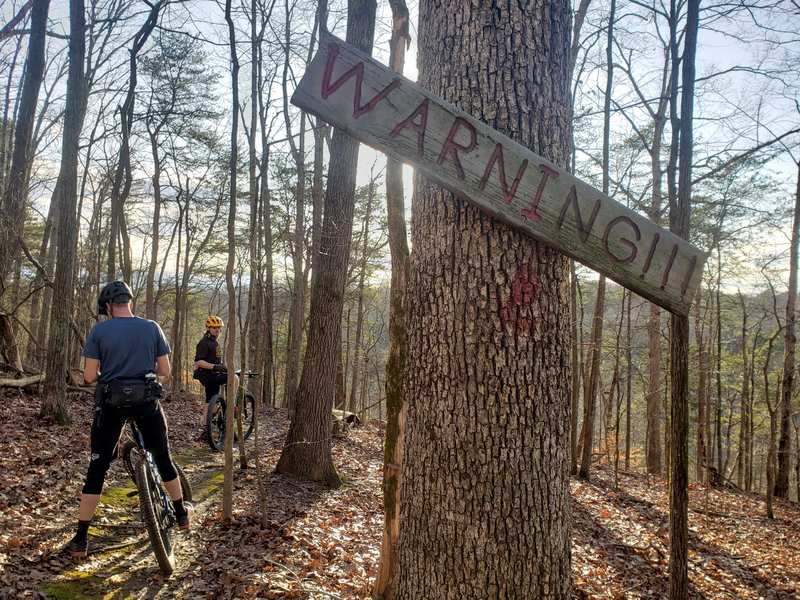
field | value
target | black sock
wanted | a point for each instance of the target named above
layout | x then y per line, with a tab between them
179	508
83	530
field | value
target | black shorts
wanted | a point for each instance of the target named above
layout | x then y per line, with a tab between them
212	381
152	423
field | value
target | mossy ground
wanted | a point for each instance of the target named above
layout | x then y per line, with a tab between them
78	586
119	572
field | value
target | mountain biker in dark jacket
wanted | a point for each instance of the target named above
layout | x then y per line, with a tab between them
208	366
128	349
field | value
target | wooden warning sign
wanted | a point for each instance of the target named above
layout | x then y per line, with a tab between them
386	111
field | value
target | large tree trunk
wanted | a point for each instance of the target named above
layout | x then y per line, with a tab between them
745	403
357	353
702	352
252	349
175	338
386	579
576	377
8	344
592	379
230	350
268	383
311	420
38	314
151	311
628	386
297	310
488	373
787	384
55	385
15	194
654	392
680	211
123	178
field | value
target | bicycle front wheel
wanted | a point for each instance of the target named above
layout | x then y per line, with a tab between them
155	516
215	422
248	408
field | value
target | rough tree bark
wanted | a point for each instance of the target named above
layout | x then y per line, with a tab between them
307	450
54	395
485	492
386	579
680	211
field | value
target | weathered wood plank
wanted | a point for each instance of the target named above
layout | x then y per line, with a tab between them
384	110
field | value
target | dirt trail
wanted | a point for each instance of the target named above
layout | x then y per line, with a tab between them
121	563
317	542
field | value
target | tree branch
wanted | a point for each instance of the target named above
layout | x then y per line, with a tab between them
8	28
743	155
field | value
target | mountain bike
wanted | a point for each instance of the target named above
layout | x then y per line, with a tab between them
215	417
157	510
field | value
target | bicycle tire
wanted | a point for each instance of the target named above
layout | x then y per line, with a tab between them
131	455
215	422
186	488
155	517
248	414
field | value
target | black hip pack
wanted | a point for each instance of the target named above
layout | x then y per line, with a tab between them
124	393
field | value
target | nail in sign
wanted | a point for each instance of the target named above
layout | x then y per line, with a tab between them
386	111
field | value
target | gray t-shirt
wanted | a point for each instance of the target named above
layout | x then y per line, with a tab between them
126	347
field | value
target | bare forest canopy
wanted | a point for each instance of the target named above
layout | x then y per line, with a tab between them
127	152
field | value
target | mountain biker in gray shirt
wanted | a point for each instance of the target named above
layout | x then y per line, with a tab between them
124	348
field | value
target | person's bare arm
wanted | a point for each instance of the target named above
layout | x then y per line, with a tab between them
90	370
203	364
162	365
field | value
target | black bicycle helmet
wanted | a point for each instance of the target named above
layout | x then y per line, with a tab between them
113	291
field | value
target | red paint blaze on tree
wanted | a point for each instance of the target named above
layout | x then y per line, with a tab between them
515	310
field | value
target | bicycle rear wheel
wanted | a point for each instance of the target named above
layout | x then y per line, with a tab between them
248	408
131	454
155	516
215	422
186	488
